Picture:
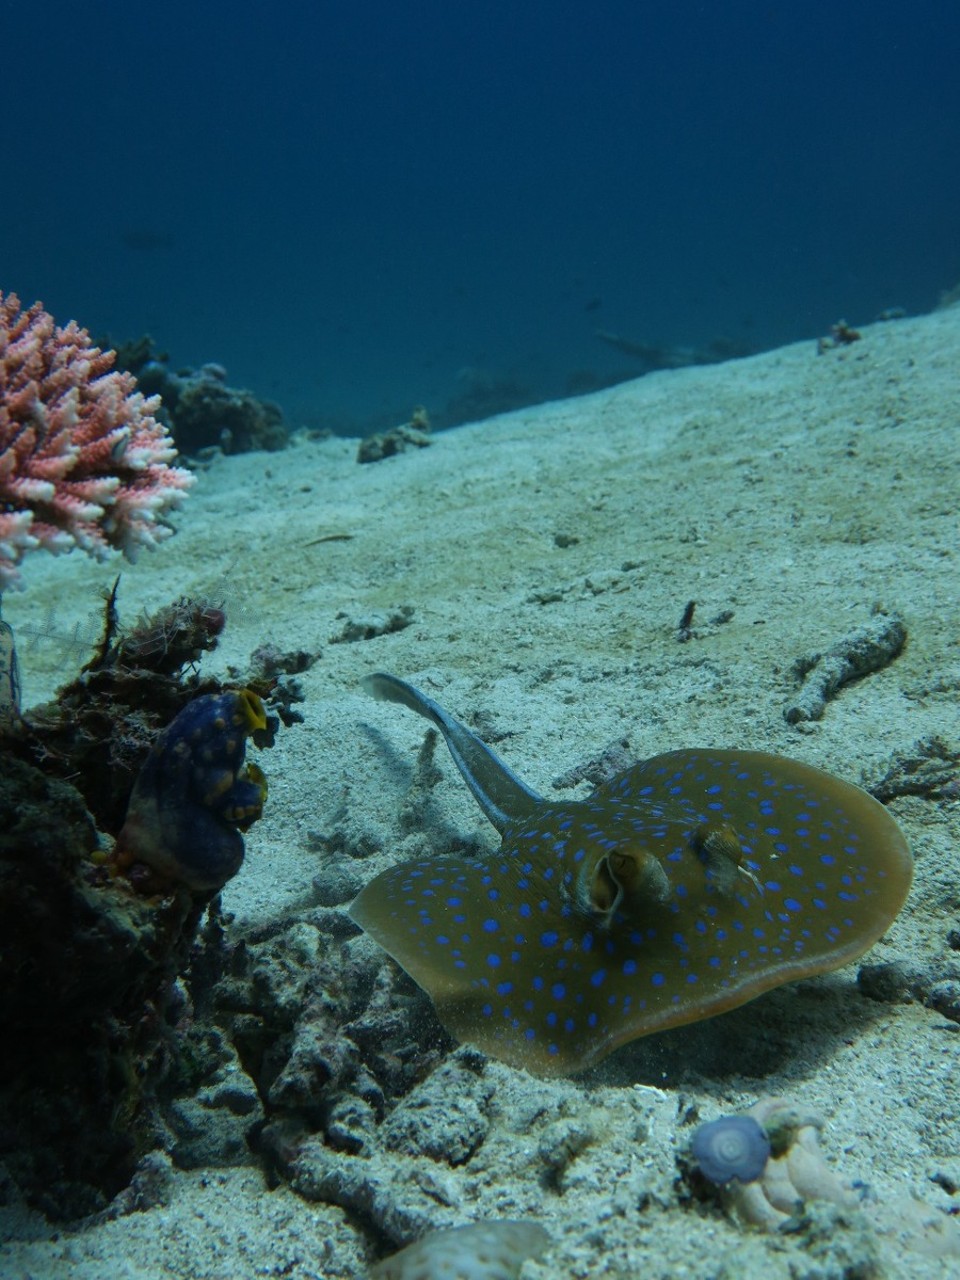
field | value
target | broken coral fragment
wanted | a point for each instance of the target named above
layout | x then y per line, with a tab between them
866	649
481	1251
796	1175
795	1172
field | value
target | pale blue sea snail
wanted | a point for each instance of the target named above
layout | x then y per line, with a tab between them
195	794
733	1147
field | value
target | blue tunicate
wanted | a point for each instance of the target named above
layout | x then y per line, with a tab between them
195	794
731	1147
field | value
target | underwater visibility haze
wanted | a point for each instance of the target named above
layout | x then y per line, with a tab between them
361	207
278	1000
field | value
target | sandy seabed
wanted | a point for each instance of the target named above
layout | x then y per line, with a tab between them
542	561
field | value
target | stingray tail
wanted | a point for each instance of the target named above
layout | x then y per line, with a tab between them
498	791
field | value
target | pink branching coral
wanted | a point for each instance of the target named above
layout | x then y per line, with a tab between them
83	461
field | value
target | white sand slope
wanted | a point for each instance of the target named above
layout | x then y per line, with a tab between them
546	557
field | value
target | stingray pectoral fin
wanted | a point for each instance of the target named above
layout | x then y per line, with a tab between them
407	911
462	934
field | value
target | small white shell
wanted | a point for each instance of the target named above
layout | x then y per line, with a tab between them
482	1251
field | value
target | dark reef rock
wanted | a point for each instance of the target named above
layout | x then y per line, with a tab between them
414	434
328	1029
85	969
100	1038
204	412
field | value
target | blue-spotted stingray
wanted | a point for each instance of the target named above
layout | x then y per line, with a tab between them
684	886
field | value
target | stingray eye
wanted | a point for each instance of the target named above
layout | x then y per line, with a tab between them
723	858
623	868
606	892
627	878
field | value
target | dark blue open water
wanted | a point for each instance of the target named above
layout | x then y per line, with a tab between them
359	205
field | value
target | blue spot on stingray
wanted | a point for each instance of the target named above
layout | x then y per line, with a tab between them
493	961
792	904
827	859
504	988
491	926
558	991
657	979
442	939
550	938
597	979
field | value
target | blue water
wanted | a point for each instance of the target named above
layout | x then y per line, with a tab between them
361	205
